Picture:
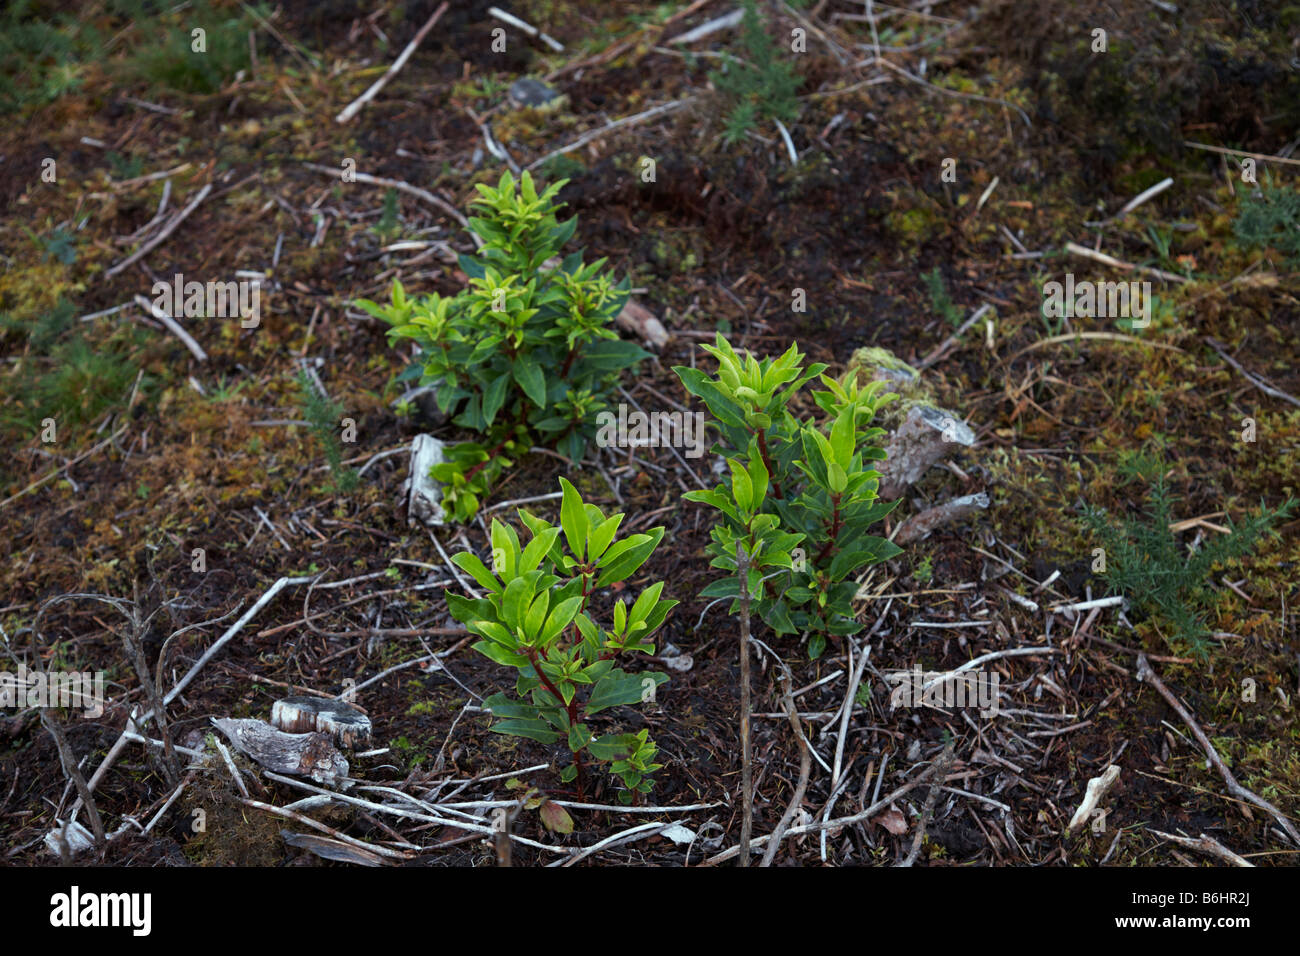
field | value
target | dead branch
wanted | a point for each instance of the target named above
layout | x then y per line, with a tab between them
163	233
927	810
1206	844
1146	674
1255	380
876	807
805	762
353	108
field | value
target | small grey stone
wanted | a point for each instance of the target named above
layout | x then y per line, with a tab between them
530	92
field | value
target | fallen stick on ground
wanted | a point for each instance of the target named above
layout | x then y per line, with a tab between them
353	108
173	327
1086	253
1105	336
587	137
407	188
58	471
866	814
1255	380
927	809
952	339
1206	844
724	22
638	832
528	28
163	233
1147	675
1262	157
468	825
983	659
221	642
132	722
317	825
805	761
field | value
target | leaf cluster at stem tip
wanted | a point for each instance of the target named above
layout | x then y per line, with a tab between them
802	493
537	616
525	354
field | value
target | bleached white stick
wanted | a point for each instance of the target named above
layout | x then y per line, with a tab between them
356	105
1142	197
163	233
173	327
528	28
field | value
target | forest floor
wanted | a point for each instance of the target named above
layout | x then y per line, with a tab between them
157	454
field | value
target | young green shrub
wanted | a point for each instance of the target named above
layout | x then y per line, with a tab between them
175	60
1145	562
62	372
537	618
527	353
761	88
1269	218
802	494
940	300
324	415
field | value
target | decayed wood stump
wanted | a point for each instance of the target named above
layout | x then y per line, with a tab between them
920	525
308	755
422	493
920	434
926	435
303	715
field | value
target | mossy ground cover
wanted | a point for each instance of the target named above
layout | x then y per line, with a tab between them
1046	136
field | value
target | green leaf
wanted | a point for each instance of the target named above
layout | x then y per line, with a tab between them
842	438
836	479
505	546
537	730
742	488
502	706
646	602
573	519
494	397
496	652
618	688
517	597
537	549
624	557
536	616
723	587
562	616
612	355
579	737
471	564
599	538
496	632
531	379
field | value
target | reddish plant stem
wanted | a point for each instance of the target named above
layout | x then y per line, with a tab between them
767	462
834	530
746	765
571	708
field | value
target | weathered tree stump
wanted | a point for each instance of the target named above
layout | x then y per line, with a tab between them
304	715
423	495
308	755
